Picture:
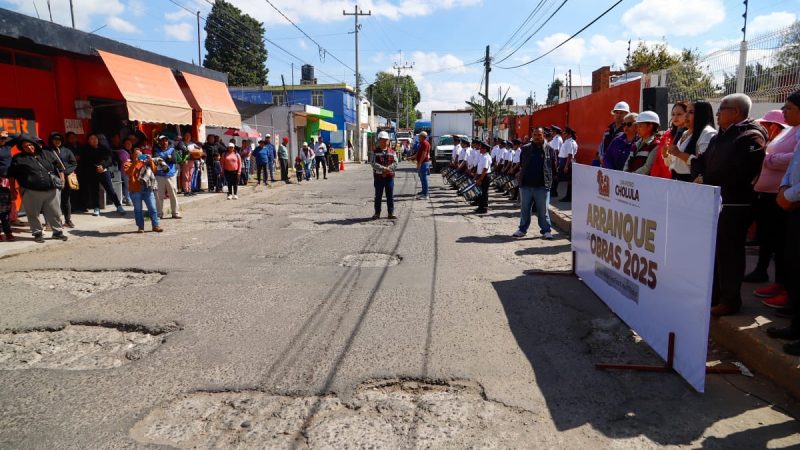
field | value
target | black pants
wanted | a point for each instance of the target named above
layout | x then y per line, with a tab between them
232	178
299	171
730	258
483	200
792	260
284	169
66	204
383	185
770	226
93	191
259	169
321	161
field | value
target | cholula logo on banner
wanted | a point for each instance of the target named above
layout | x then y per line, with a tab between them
603	184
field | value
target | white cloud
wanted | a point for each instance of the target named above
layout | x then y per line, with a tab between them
673	17
331	10
180	31
770	22
123	26
572	51
86	11
445	95
177	15
137	7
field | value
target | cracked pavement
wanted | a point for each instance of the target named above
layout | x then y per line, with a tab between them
291	300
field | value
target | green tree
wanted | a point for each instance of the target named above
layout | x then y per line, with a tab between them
687	80
789	54
553	91
651	58
235	44
384	91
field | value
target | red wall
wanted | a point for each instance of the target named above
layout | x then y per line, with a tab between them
589	116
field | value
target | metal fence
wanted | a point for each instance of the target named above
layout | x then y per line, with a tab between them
766	67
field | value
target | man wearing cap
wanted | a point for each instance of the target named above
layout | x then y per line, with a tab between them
321	150
423	164
483	167
619	112
535	177
38	174
165	178
283	158
384	163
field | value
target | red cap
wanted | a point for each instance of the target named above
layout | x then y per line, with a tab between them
285	139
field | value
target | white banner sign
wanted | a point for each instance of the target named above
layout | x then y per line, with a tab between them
645	246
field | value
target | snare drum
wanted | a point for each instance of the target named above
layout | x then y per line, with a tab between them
511	184
471	192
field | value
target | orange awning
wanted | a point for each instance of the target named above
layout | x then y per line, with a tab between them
212	97
151	92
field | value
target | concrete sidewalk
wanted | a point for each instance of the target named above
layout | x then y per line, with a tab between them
87	225
744	334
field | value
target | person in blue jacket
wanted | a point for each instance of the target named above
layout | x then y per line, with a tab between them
164	156
271	157
262	160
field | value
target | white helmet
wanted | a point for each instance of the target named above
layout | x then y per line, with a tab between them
383	135
648	117
621	106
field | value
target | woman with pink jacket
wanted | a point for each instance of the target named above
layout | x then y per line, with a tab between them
770	218
232	166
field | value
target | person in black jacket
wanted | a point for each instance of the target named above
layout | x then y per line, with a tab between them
36	170
68	166
536	178
733	162
5	187
96	159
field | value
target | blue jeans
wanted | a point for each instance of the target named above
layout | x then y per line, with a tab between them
147	196
423	177
384	185
528	196
125	194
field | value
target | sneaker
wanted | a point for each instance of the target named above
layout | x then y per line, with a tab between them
422	197
140	230
69	224
177	216
518	234
392	217
230	196
120	210
777	302
235	197
770	291
376	217
38	238
127	202
96	212
60	236
157	229
548	236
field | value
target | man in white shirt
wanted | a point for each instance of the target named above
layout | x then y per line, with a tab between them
483	169
456	149
463	155
498	144
554	145
320	151
566	154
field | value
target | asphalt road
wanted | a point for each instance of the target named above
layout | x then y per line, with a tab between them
286	319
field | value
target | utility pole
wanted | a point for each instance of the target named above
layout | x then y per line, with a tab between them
72	13
397	89
356	13
199	60
569	91
487	64
740	76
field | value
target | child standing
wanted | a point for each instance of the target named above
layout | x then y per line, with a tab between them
298	168
218	173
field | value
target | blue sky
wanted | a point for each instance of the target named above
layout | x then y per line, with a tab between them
440	37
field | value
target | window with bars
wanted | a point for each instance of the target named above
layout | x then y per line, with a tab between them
278	99
317	99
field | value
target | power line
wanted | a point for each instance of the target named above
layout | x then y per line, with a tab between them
566	40
534	33
519	28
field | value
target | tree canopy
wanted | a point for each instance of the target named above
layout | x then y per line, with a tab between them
651	58
235	44
384	96
553	91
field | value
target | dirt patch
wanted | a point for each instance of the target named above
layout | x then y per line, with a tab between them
384	414
79	347
83	283
371	260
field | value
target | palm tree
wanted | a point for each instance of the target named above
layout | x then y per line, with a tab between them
489	110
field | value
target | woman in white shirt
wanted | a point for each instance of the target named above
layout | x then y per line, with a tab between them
693	142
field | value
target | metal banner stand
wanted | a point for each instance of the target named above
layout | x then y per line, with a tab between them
668	365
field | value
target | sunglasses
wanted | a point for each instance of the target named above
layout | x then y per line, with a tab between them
628	124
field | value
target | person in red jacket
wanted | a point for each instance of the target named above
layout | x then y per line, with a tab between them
423	158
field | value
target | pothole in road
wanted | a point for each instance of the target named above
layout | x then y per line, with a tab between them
371	260
83	283
383	414
83	346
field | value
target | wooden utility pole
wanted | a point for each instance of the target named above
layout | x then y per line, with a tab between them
398	89
356	14
487	63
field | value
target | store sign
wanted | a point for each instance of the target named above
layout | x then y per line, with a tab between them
73	125
646	246
17	121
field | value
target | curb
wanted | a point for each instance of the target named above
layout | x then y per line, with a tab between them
743	335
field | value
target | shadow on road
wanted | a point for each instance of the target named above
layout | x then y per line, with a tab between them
555	323
551	250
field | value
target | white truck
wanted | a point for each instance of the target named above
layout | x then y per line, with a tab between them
444	124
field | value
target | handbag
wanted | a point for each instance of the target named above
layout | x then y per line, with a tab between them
55	180
71	179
